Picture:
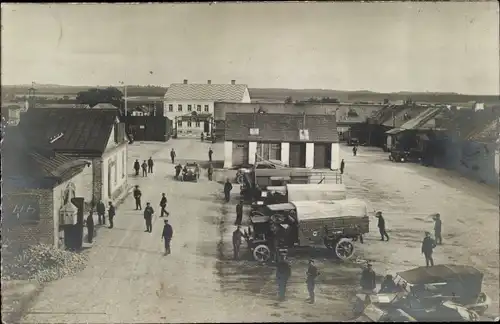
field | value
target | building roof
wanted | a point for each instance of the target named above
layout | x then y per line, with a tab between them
26	165
420	120
85	131
489	134
208	92
280	127
104	105
466	123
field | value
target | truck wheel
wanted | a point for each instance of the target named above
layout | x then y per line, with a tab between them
261	253
344	249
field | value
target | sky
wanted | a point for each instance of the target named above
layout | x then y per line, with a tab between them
383	47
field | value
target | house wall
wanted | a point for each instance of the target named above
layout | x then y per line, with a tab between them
113	171
309	155
246	97
228	154
335	158
183	127
252	149
285	153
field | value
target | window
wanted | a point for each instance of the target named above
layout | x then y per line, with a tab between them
124	167
189	124
198	124
198	108
179	123
206	108
190	107
179	108
170	107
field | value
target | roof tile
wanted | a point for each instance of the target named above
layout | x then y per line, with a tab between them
209	92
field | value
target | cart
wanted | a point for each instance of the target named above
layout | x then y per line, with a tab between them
190	173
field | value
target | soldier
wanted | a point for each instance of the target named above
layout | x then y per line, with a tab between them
210	152
148	217
178	169
166	236
172	155
437	229
368	277
90	226
237	242
239	213
101	210
312	273
283	273
150	165
163	204
144	169
137	167
197	170
111	214
354	150
428	246
137	196
381	226
210	171
227	190
202	136
342	166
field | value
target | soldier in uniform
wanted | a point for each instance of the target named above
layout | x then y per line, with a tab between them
137	196
148	217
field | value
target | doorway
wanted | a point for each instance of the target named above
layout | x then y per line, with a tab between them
206	126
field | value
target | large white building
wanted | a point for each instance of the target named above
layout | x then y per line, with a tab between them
191	106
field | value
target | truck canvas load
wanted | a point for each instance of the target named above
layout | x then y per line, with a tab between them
310	192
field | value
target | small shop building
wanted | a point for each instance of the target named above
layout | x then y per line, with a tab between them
299	141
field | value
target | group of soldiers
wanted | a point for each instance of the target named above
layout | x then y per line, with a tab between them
147	167
100	208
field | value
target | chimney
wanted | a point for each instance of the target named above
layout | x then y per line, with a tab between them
233	81
185	81
209	82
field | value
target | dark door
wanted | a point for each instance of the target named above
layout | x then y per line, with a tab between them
322	154
297	155
73	234
206	126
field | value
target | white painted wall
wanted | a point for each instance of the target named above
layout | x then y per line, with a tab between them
118	178
335	158
252	149
194	103
309	155
246	97
228	154
285	153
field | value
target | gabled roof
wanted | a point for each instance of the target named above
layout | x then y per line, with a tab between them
421	119
85	131
208	92
489	134
467	123
280	127
104	106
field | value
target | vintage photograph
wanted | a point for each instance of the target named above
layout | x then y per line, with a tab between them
250	162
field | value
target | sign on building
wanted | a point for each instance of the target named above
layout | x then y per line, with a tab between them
304	134
254	131
21	208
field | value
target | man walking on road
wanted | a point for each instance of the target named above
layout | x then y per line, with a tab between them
148	217
178	169
137	167
210	172
150	165
166	236
137	196
163	204
428	246
144	169
101	211
283	273
236	243
437	229
354	150
172	156
90	226
342	166
239	213
312	273
381	226
227	190
210	152
368	278
111	214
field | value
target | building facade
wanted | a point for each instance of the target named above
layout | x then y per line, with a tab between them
191	106
299	141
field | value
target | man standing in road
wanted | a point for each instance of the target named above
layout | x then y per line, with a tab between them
428	246
144	169
283	273
90	226
354	150
210	152
237	242
111	214
178	169
239	213
137	196
148	217
312	273
227	190
101	210
172	156
368	278
381	226
437	229
210	171
150	165
163	204
137	167
166	236
342	166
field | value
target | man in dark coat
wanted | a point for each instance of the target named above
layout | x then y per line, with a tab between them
144	169
172	156
137	167
166	236
428	246
111	214
210	152
227	190
178	169
163	204
368	278
210	172
137	196
437	229
90	226
311	274
354	150
150	165
283	273
101	211
342	166
148	217
239	213
381	226
237	242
